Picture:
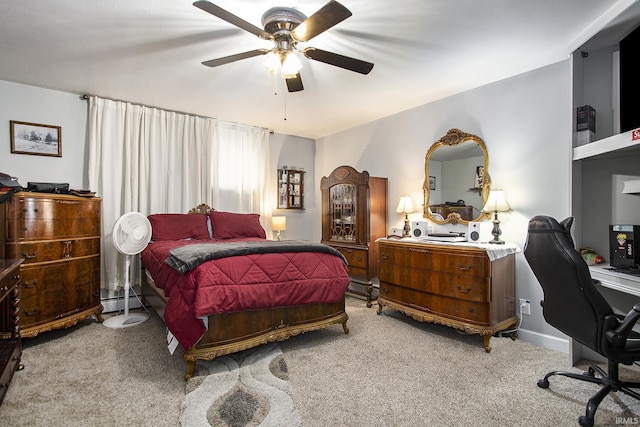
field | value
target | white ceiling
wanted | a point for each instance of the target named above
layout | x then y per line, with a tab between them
150	52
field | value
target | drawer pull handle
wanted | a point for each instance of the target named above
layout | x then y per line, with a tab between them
66	249
26	284
465	291
32	313
27	256
349	251
463	268
384	256
423	251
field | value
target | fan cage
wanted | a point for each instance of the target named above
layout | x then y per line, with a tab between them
131	233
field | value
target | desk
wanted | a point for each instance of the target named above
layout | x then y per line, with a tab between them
627	283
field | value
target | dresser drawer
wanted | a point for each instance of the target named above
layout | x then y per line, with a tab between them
56	208
58	289
471	263
43	229
474	312
452	285
40	218
44	251
355	257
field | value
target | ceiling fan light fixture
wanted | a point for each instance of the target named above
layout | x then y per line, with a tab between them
291	65
272	62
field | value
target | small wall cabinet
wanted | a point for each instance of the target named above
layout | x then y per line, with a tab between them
290	189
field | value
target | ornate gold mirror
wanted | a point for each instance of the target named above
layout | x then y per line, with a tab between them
456	179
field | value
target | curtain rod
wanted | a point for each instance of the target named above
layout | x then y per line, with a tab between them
85	97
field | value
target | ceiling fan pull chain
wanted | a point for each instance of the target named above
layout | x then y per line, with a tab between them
275	83
285	105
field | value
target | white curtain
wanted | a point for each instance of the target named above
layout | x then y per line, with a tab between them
148	160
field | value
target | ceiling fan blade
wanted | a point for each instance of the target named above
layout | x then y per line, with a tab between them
341	61
231	19
294	84
233	58
326	17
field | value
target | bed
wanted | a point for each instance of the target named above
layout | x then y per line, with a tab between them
222	287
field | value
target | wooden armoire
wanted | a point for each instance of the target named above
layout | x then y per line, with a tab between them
354	215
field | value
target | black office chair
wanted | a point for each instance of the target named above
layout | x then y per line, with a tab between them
573	304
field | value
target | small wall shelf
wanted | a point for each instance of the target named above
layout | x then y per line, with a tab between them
290	189
629	140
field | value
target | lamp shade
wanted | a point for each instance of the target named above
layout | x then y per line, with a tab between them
279	223
406	205
496	202
291	65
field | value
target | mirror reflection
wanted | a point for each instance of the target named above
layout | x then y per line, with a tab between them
457	179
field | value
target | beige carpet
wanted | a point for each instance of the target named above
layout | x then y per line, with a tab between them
389	371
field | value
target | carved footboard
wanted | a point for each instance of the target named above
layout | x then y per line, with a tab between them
232	332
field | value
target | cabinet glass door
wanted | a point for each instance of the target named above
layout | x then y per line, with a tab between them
342	200
290	189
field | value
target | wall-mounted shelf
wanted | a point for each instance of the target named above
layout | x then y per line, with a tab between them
612	145
631	187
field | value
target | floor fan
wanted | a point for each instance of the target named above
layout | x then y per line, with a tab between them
131	234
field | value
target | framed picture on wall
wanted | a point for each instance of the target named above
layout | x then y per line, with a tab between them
36	139
479	181
432	183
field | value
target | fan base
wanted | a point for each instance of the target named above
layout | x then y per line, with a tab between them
125	320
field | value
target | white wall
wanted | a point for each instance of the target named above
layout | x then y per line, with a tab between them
526	124
35	105
299	152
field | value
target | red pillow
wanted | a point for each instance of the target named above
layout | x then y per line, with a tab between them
228	225
178	226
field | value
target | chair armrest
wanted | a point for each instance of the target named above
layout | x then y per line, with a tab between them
618	337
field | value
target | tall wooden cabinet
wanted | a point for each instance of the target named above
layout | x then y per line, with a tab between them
354	215
58	236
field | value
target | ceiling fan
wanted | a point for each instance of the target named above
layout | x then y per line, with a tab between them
286	27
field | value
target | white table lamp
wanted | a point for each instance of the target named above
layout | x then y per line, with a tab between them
278	223
406	207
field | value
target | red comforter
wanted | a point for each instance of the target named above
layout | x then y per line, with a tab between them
249	282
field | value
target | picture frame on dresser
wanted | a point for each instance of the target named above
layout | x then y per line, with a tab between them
36	139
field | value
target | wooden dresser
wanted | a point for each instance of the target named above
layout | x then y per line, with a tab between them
453	285
59	238
10	345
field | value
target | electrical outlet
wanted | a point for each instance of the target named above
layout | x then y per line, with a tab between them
525	306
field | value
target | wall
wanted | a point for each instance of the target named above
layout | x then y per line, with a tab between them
526	124
299	152
35	105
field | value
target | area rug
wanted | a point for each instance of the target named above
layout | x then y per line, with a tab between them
245	389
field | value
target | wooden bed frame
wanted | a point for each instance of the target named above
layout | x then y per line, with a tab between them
232	332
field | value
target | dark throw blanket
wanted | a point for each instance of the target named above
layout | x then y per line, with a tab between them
186	258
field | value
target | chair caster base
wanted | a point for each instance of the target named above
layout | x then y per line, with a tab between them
543	383
585	421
